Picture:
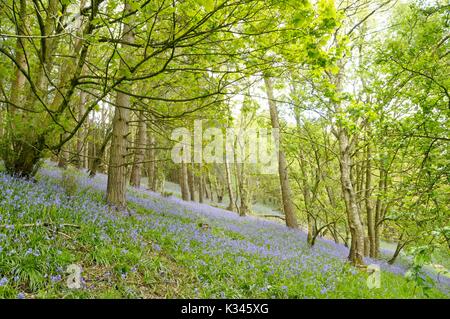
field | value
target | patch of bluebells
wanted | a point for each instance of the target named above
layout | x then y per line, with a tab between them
56	278
233	246
3	281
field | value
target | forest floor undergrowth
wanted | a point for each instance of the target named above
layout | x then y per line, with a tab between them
164	247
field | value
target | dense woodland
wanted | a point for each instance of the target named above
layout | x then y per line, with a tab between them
359	91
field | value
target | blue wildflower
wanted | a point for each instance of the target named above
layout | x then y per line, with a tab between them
3	281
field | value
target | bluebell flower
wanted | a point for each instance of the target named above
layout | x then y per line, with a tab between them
3	281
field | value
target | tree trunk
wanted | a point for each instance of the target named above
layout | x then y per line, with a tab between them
229	186
244	208
398	249
205	187
63	158
369	207
98	153
2	121
140	143
19	79
356	256
305	188
200	183
151	171
380	207
117	170
85	157
184	181
92	154
288	206
11	151
191	182
208	186
80	159
20	158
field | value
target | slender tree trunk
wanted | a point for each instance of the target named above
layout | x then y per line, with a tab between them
184	181
63	158
238	198
398	249
305	188
200	183
117	170
2	121
288	206
85	157
205	187
219	189
151	175
140	143
209	185
307	200
160	186
191	182
380	206
356	256
92	153
80	159
331	197
244	208
229	186
359	184
214	188
369	206
155	180
98	153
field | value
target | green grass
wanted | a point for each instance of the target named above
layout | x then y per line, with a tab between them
155	265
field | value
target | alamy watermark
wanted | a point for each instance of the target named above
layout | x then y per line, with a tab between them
74	278
374	278
258	146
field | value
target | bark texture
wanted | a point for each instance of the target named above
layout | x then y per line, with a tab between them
184	181
288	206
140	143
117	170
353	215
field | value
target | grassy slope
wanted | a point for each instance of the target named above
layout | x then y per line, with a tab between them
160	250
440	259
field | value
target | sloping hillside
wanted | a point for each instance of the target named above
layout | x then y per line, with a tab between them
164	247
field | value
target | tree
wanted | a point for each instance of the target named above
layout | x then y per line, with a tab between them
288	206
116	187
139	147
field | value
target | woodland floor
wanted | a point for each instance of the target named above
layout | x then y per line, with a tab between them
164	247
